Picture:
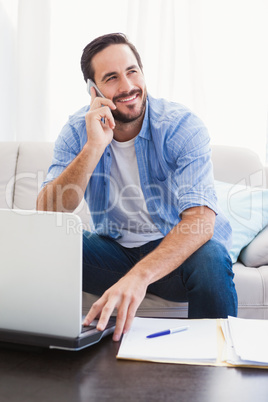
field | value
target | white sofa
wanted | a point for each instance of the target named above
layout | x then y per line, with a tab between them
23	167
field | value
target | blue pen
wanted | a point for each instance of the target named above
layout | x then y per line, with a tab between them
167	332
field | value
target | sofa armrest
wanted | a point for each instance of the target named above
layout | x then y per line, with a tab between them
256	253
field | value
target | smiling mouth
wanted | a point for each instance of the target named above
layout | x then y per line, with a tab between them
128	98
131	98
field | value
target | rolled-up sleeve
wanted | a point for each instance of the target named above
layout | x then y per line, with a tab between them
67	147
193	182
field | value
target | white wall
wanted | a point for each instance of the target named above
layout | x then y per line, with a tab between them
210	55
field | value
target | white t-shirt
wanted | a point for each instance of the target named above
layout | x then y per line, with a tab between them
127	207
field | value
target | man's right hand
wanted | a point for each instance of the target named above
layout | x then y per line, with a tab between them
100	133
66	191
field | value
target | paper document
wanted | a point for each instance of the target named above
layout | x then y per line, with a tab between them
224	342
197	344
246	341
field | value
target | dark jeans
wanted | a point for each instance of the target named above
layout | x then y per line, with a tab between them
205	279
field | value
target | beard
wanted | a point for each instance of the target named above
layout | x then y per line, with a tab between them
131	116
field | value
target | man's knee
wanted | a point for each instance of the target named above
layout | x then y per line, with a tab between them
210	263
213	251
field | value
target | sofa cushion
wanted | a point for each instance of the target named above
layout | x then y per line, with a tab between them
256	253
251	287
247	211
151	306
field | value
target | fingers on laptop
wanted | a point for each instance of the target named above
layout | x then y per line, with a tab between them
104	308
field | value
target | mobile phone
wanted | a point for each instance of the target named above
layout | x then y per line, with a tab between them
90	84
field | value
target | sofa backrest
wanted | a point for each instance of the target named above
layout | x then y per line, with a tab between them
238	165
8	163
32	165
23	167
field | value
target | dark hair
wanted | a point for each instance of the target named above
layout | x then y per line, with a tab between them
100	43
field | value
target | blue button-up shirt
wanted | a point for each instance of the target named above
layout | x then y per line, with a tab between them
173	155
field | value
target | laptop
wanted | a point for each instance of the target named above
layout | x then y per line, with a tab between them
41	281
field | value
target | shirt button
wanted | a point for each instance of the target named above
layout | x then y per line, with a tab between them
108	154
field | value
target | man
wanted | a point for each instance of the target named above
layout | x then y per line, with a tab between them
143	166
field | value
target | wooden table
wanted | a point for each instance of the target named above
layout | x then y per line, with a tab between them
94	374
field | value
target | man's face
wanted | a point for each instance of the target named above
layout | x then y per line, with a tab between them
120	79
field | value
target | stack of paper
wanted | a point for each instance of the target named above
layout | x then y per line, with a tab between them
246	341
229	342
197	344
